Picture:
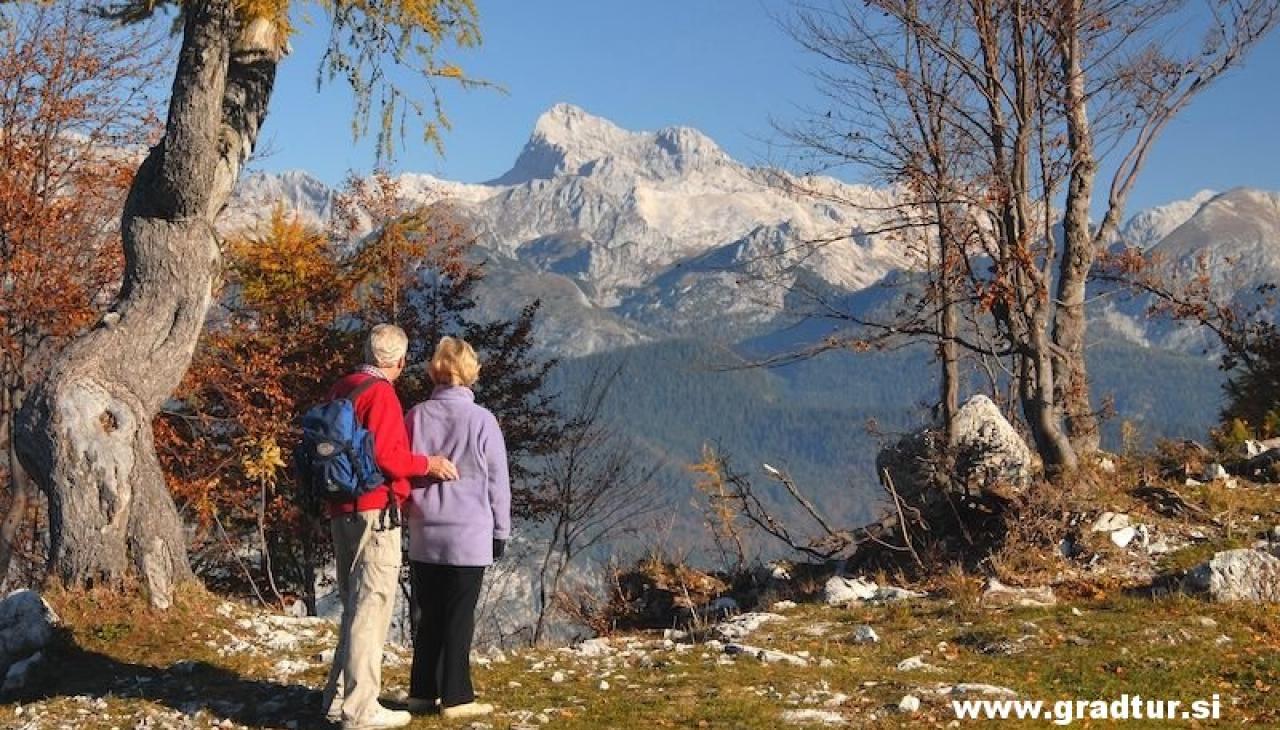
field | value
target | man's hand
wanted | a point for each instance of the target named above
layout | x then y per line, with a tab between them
441	469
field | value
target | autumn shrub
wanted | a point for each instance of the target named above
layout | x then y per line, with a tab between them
294	308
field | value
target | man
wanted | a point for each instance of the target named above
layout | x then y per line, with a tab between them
366	538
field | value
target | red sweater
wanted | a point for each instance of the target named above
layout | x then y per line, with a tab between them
378	409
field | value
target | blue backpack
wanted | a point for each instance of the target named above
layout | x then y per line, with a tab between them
335	461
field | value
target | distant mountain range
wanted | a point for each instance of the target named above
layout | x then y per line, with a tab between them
660	251
632	237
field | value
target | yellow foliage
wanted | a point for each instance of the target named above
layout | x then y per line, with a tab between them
262	460
285	265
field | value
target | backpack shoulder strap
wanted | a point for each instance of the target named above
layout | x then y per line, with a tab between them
368	383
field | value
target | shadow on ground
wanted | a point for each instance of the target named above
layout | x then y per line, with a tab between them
187	687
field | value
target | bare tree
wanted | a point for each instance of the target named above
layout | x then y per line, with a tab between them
596	486
986	113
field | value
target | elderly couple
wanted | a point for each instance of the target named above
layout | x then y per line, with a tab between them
459	519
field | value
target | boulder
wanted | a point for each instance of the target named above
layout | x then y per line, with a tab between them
989	450
27	626
1238	575
989	455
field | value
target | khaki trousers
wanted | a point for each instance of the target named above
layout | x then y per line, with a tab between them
368	574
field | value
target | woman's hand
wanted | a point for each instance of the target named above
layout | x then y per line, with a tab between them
441	469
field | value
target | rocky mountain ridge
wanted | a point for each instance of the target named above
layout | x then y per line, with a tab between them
630	237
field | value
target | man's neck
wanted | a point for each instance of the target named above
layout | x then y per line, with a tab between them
377	372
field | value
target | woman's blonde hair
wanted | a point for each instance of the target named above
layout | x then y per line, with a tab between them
454	363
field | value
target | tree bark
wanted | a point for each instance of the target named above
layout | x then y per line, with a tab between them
84	433
1078	250
20	490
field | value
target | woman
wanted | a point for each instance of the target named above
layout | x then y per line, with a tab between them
456	529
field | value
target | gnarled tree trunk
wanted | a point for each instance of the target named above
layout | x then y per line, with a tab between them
84	433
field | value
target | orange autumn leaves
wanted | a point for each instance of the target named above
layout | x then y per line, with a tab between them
74	115
294	305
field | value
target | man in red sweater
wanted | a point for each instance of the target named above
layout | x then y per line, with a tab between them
366	538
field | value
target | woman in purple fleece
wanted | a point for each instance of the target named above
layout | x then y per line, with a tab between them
456	529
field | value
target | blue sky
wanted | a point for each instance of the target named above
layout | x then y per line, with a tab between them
723	66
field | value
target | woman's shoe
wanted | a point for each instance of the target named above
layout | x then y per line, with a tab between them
470	709
419	706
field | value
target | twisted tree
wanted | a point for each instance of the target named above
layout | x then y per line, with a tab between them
84	433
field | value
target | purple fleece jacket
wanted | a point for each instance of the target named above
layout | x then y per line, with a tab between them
455	523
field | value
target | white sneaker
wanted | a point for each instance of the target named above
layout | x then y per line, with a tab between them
380	718
470	709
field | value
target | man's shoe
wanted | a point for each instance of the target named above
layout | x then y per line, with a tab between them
419	706
333	710
380	718
470	709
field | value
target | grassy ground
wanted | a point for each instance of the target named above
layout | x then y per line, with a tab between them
120	665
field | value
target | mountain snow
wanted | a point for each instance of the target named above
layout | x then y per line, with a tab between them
632	236
627	236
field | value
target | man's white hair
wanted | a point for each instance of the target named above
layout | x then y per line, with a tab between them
387	343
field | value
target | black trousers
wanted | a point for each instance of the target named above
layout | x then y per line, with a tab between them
445	596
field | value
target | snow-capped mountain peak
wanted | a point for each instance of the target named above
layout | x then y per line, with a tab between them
1147	227
568	140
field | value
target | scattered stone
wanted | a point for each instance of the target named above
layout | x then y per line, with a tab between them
593	648
675	635
812	717
744	624
1110	522
1107	465
889	594
1213	472
287	667
1238	575
558	677
26	628
768	656
863	634
974	688
1206	622
915	663
909	704
783	605
999	595
604	684
840	591
1123	536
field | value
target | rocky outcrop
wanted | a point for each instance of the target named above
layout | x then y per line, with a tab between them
1238	575
987	452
